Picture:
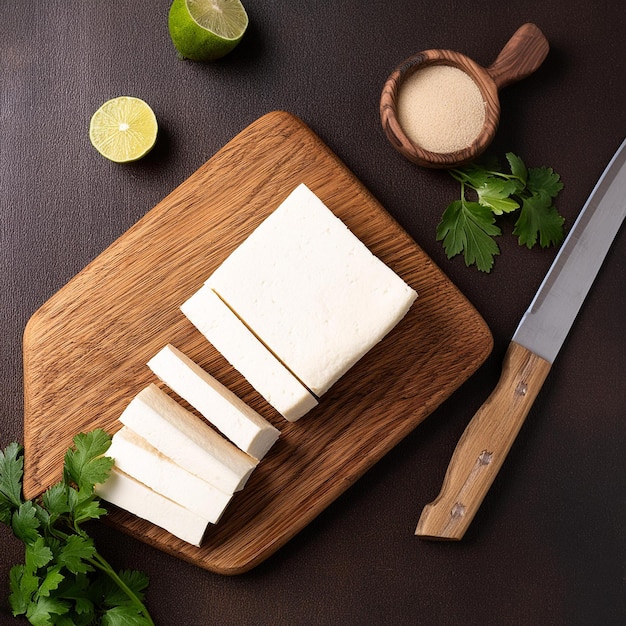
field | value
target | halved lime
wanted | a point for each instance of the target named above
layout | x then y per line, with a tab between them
123	129
205	30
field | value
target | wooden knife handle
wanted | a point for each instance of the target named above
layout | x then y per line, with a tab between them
484	445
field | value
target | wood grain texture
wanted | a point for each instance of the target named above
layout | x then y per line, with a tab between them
521	56
394	131
484	445
86	349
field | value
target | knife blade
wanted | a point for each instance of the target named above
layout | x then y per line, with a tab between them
488	437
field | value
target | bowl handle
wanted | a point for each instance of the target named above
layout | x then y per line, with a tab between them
520	57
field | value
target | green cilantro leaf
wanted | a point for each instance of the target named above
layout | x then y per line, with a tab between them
469	227
43	516
472	175
55	499
55	545
6	512
135	580
84	606
84	593
70	620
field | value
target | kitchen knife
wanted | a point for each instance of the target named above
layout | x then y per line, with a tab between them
488	437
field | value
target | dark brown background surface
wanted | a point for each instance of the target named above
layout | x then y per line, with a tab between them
549	543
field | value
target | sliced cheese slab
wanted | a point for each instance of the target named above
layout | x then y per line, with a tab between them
219	405
248	355
311	291
187	440
135	497
137	458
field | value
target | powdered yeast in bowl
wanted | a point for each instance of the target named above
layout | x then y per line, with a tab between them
441	108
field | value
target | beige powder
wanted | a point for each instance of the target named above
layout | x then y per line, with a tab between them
440	108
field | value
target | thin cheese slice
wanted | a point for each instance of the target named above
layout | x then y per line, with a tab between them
187	440
135	497
311	291
137	458
218	404
248	355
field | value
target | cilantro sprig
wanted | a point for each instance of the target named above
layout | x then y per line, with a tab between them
469	226
64	580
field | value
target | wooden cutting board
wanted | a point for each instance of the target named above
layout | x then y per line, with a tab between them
86	348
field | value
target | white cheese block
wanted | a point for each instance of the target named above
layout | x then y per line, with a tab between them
135	497
248	355
218	404
311	291
137	458
187	440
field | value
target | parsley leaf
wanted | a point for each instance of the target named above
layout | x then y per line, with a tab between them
38	554
11	471
87	510
85	466
518	169
469	227
64	579
40	612
113	595
52	580
544	181
24	522
76	553
122	616
55	504
494	193
23	585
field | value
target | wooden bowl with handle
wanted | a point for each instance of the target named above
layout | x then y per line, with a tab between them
520	57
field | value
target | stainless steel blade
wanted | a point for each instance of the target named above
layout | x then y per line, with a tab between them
552	312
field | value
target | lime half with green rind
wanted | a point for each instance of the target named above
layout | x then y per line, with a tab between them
123	129
206	30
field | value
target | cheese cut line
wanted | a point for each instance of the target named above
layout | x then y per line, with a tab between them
128	493
311	290
264	344
187	440
135	457
237	421
225	331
